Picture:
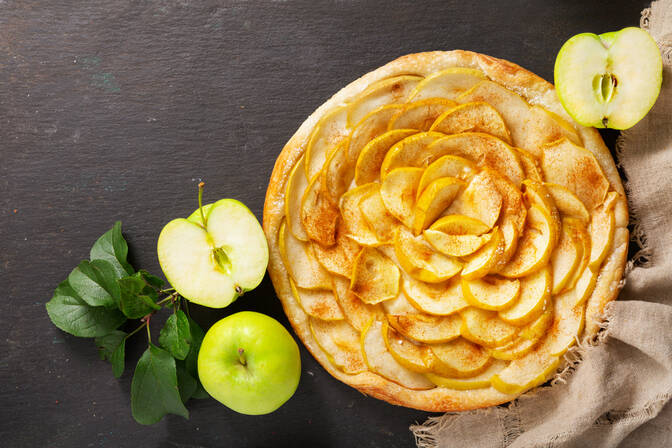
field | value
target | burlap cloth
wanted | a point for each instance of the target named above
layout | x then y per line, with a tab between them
615	392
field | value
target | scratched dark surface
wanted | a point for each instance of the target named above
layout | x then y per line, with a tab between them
116	109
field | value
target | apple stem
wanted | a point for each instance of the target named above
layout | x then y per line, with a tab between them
241	356
239	290
149	335
200	203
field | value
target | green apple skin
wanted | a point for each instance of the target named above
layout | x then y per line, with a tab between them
611	80
272	364
214	265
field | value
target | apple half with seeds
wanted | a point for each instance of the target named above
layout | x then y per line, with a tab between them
609	80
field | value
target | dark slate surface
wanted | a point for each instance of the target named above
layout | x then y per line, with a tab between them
116	109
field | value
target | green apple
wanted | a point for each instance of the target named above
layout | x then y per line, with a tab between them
611	80
215	255
250	363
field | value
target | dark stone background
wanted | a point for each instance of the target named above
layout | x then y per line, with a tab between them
116	109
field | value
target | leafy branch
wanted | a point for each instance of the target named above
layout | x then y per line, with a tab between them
100	295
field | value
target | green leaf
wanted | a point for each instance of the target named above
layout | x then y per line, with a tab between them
186	383
175	335
152	280
73	315
137	298
112	247
112	347
154	391
96	283
191	361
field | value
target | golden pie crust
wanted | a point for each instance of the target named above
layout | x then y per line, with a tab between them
600	190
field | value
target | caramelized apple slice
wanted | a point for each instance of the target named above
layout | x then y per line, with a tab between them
372	155
319	214
529	337
386	91
545	127
300	261
536	193
434	200
480	381
410	355
398	192
446	166
378	217
421	261
602	227
427	329
370	127
455	245
399	306
338	258
327	134
459	358
491	293
567	324
317	303
460	225
535	247
485	328
356	312
472	117
375	278
341	343
483	260
534	291
567	203
576	169
567	255
380	361
337	173
529	164
448	83
356	226
408	152
525	373
420	114
480	200
440	299
297	184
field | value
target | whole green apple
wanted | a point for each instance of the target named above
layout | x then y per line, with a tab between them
250	363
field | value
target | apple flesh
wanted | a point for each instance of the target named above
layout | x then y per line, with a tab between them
611	80
212	265
250	363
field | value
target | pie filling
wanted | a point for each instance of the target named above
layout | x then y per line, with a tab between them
442	232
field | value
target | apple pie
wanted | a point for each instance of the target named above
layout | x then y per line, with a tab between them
441	232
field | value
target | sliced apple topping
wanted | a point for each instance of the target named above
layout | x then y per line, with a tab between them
480	200
485	328
410	355
567	255
398	192
482	149
356	312
528	338
602	227
446	166
568	321
297	183
379	360
486	258
459	358
529	164
534	292
327	134
409	152
421	261
545	127
341	343
378	217
317	303
356	226
337	173
375	278
420	114
535	247
576	169
300	261
491	293
319	214
449	83
455	245
386	91
338	257
525	373
434	200
480	381
567	202
536	193
584	287
428	329
472	117
513	109
399	306
371	126
372	155
460	225
440	299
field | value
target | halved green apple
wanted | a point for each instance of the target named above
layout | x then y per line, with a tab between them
610	80
213	263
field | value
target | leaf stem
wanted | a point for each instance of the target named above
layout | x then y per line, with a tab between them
165	291
149	334
200	204
134	331
170	297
